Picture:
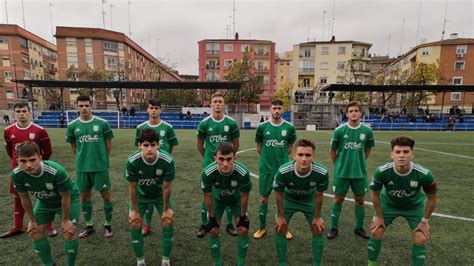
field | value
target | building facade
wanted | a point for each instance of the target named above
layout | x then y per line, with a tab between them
455	58
318	64
25	56
283	65
110	53
217	56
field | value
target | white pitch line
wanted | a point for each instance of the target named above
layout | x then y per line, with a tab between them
434	151
370	203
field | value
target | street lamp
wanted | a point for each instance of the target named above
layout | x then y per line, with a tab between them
16	82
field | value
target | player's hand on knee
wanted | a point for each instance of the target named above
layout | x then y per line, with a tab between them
424	228
134	219
167	217
280	225
212	224
317	226
68	228
32	227
244	222
376	224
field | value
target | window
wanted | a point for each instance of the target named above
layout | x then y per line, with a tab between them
425	51
228	47
212	76
260	51
89	60
266	79
110	46
72	60
455	96
88	42
459	65
8	89
3	39
340	65
228	62
7	73
341	50
323	80
110	62
212	48
71	42
324	50
306	66
244	48
307	52
26	74
457	80
340	80
260	65
461	49
306	83
324	65
5	60
24	42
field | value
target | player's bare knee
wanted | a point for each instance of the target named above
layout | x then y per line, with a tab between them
214	232
316	232
69	236
167	222
338	199
420	238
106	195
378	233
86	196
264	200
359	199
36	235
242	231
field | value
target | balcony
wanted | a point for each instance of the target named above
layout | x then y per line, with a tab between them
213	52
360	56
306	70
261	53
212	66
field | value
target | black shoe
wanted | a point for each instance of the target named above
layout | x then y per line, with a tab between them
332	234
231	230
87	231
361	232
108	231
201	232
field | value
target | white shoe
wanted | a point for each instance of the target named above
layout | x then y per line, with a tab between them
165	263
141	263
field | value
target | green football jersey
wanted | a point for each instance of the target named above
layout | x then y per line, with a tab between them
149	176
402	191
90	137
226	188
214	132
164	130
47	185
275	140
350	144
300	187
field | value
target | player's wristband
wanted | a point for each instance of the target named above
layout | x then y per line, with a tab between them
424	220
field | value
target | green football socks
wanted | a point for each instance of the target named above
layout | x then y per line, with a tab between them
203	214
418	255
242	246
228	214
281	246
262	215
373	248
108	210
87	212
317	244
167	240
43	249
359	216
214	244
137	243
71	247
335	213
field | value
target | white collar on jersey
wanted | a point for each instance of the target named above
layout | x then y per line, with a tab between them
147	163
301	176
407	173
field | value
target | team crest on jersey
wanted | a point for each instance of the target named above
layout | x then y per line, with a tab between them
226	128
49	185
31	135
283	133
362	136
159	171
413	183
233	183
162	133
95	128
312	184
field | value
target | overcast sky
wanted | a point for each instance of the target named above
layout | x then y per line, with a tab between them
179	25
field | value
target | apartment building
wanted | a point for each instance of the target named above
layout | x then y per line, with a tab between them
455	57
110	52
318	64
283	64
24	55
217	56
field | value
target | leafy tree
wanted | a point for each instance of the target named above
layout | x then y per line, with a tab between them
283	93
252	84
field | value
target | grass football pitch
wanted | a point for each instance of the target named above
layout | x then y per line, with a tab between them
450	155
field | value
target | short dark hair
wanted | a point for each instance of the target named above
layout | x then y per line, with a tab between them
217	94
154	102
402	141
83	98
27	149
354	103
276	102
305	143
225	148
21	105
149	135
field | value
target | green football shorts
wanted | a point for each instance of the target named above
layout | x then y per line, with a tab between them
99	180
341	186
